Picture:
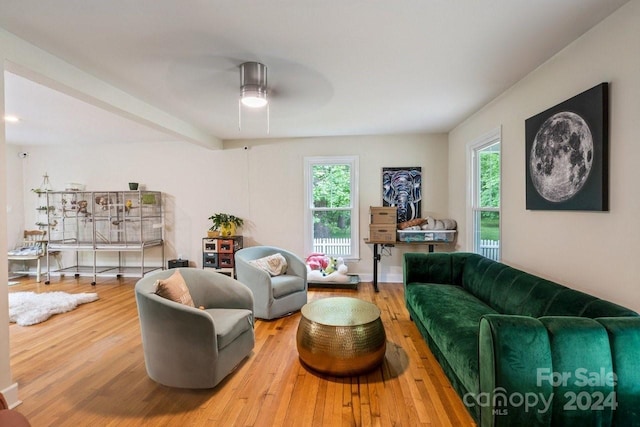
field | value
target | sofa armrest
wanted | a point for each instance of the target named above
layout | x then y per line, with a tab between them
511	350
624	336
556	368
295	265
165	324
255	279
427	268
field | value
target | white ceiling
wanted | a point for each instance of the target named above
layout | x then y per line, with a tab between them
51	117
335	67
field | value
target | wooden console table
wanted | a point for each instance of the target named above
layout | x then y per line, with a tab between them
376	254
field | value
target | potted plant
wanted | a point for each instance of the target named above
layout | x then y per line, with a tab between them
225	224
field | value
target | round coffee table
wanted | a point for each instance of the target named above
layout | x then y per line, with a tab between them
341	336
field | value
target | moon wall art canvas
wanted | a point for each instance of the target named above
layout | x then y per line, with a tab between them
567	154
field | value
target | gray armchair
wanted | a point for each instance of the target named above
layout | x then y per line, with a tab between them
273	296
187	347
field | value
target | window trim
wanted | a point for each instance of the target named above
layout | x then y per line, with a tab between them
353	161
490	138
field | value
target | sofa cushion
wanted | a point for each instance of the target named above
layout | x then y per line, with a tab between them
175	289
512	291
285	285
602	308
230	323
437	267
451	315
476	278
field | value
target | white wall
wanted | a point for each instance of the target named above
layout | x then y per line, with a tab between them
15	194
278	161
263	184
594	252
7	387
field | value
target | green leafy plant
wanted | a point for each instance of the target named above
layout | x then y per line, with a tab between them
223	220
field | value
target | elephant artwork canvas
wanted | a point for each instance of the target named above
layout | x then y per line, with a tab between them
402	188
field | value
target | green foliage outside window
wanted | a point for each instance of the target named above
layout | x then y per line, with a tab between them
490	179
332	193
490	194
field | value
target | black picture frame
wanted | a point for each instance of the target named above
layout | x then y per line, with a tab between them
567	154
402	187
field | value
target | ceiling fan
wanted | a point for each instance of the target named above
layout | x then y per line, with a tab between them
214	82
253	89
253	84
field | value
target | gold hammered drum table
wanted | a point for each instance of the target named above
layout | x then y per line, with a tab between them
341	336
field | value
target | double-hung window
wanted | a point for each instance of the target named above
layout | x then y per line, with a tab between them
331	206
485	182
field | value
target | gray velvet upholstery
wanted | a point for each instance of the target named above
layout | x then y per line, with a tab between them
273	296
187	347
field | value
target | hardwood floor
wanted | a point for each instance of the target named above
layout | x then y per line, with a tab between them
86	368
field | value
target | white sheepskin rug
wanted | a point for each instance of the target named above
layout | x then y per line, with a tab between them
29	308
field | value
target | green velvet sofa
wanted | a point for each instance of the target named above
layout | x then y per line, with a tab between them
521	350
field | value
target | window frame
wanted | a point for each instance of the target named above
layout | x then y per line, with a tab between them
491	138
353	162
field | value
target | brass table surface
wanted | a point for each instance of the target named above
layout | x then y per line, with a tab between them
341	311
341	336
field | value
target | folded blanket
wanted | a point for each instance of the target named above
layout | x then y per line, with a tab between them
26	251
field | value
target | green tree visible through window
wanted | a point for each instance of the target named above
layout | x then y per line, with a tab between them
332	200
484	191
331	208
490	179
490	192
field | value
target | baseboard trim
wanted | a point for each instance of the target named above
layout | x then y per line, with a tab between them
11	395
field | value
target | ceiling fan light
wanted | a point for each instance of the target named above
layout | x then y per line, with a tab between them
253	84
253	98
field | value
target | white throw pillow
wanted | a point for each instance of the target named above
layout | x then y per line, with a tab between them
275	264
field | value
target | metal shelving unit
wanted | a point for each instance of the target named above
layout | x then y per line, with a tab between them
103	222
